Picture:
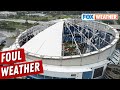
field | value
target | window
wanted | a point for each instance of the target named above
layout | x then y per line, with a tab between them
98	72
73	74
55	78
87	75
40	76
48	77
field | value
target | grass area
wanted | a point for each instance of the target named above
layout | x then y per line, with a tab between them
35	18
118	21
13	37
63	16
108	21
12	26
41	18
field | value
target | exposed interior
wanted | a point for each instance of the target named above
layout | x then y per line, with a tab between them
78	39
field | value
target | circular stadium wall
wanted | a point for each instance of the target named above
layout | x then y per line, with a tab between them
84	64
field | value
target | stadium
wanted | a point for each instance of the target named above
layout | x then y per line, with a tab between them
70	48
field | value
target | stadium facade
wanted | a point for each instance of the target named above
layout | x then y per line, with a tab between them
70	48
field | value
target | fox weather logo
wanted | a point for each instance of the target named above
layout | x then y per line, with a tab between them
99	16
87	17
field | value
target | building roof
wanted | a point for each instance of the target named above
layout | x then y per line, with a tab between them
52	42
47	42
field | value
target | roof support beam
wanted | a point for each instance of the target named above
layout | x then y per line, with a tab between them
73	38
86	38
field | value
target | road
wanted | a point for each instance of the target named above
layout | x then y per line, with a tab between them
18	20
23	21
30	21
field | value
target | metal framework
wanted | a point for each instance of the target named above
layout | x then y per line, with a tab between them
97	35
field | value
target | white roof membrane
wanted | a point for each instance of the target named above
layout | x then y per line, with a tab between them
47	42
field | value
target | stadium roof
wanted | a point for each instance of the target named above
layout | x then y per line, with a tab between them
48	42
66	39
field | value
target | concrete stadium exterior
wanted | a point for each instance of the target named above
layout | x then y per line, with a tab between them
89	65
